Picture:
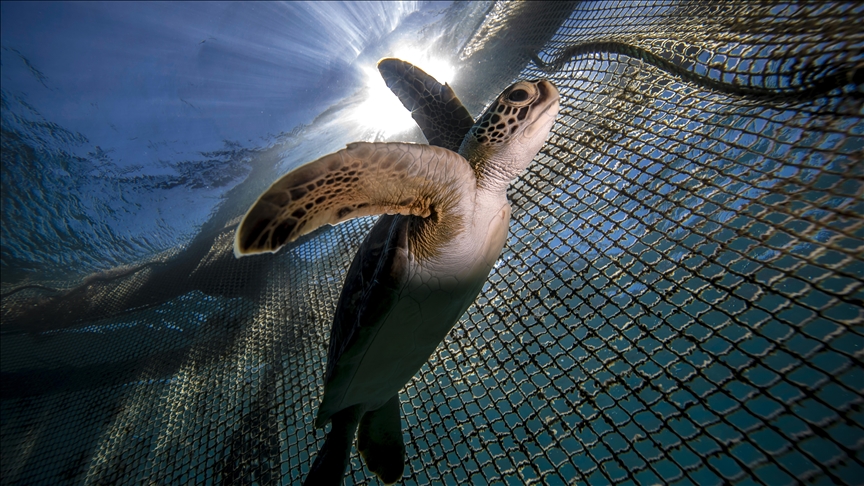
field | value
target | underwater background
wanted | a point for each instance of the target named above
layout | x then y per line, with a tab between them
680	299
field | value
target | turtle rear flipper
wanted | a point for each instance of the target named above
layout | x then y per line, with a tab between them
434	106
379	439
332	459
363	179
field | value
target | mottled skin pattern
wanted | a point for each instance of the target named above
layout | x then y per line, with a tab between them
361	180
435	107
446	218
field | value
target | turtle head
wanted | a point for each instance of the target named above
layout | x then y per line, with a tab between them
505	139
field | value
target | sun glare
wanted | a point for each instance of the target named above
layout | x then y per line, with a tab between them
382	111
437	68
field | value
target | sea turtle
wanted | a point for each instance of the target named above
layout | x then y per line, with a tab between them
445	221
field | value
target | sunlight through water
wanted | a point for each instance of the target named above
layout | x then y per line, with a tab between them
127	147
382	111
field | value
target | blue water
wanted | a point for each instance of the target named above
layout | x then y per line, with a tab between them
127	126
124	124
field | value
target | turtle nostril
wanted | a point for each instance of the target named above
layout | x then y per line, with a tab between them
518	95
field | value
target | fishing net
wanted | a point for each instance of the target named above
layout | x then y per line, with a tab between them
679	301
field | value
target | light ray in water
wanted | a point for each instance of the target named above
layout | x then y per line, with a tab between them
124	148
382	111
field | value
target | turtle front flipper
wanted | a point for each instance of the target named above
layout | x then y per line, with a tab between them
361	180
379	440
435	107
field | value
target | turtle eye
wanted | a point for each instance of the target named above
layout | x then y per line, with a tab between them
518	95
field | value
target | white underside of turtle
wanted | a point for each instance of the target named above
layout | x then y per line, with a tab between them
408	332
446	219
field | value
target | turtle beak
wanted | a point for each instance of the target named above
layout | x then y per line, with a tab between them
547	109
549	97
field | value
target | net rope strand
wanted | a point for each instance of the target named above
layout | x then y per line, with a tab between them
681	297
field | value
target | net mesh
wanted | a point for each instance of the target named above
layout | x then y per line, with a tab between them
680	299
